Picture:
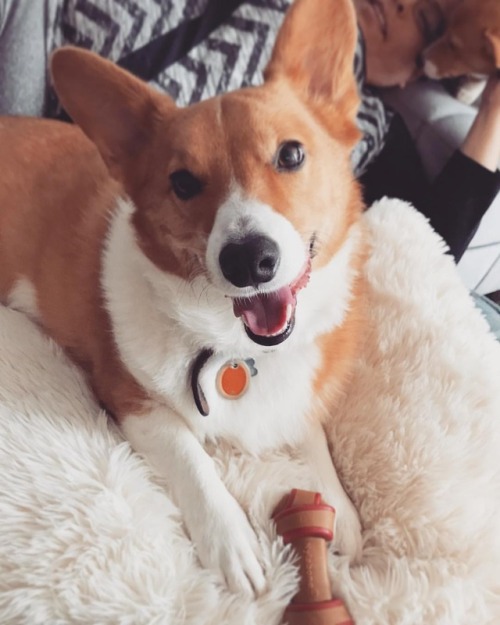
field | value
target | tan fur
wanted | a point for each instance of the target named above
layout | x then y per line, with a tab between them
55	198
57	194
339	348
471	42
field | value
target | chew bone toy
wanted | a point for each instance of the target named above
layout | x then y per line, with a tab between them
303	519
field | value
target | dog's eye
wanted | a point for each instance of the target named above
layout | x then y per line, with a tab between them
185	185
290	156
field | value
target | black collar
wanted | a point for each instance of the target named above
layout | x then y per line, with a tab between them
199	396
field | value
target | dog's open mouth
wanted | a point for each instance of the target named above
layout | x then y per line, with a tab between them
269	318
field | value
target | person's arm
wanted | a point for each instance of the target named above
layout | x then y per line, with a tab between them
457	199
482	144
470	181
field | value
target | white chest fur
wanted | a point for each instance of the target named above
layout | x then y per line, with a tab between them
162	323
271	411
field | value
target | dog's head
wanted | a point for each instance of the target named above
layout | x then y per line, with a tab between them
252	189
470	44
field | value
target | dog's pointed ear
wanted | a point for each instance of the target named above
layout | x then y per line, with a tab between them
494	40
315	50
112	107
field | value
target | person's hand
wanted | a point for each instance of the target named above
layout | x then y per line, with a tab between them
491	94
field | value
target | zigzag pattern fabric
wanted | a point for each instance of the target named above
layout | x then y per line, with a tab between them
114	28
232	55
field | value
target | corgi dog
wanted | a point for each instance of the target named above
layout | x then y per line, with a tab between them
470	43
202	265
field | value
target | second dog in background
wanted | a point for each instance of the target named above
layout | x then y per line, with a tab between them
470	43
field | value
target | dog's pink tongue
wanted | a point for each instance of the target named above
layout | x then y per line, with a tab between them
266	314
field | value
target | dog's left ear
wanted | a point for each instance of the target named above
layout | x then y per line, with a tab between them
314	52
494	39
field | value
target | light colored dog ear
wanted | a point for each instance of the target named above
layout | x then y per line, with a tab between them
314	52
112	107
494	39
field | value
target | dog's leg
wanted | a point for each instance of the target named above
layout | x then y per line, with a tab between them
348	540
216	523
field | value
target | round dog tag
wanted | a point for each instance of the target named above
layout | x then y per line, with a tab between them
233	379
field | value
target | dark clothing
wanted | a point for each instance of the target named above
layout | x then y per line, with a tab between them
454	202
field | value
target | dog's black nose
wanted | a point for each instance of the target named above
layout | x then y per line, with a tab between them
250	262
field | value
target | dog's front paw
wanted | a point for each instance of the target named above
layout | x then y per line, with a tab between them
226	541
348	539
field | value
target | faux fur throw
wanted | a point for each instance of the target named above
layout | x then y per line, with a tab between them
87	537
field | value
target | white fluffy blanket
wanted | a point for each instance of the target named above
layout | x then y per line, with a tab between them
87	537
